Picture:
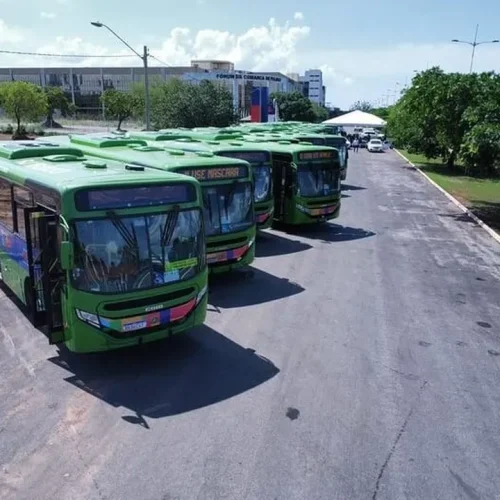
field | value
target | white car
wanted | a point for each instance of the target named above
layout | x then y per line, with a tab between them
348	144
375	146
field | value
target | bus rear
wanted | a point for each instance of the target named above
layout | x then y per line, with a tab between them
110	255
226	187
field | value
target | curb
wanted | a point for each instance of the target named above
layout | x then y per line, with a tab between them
462	207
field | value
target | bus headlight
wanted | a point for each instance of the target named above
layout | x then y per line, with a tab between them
86	317
201	294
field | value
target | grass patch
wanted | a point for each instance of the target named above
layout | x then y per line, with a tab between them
481	196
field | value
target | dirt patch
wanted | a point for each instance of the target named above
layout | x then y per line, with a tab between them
8	137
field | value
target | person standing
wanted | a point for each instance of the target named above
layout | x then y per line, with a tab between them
355	145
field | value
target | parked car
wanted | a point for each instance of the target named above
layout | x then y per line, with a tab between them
375	146
348	143
363	143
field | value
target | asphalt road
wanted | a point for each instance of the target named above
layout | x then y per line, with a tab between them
356	361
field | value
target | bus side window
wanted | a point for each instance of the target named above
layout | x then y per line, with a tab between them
6	205
23	198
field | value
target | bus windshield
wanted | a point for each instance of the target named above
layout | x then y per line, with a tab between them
126	253
342	149
317	179
227	208
262	179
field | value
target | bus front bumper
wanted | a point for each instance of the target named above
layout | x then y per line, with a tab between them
227	260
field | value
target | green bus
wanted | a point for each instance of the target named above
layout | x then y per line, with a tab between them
333	141
306	181
102	254
259	159
337	142
226	185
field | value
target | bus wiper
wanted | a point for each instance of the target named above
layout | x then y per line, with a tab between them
228	200
207	204
129	238
169	227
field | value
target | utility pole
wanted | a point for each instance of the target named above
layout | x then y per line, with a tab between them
474	44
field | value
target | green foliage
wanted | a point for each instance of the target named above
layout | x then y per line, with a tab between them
294	106
119	105
381	112
480	150
450	116
176	103
321	113
216	107
361	106
23	102
56	99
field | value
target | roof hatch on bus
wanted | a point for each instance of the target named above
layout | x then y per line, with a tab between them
157	136
105	140
16	150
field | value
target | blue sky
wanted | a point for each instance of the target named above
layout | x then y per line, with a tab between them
365	53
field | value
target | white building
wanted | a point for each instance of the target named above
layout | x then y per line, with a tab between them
84	86
315	88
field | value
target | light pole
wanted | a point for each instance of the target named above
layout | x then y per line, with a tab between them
474	44
397	84
144	58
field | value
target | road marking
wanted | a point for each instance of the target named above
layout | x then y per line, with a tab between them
462	207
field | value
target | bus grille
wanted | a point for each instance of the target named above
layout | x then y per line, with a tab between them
147	301
226	242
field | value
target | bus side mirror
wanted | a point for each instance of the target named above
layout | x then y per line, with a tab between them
67	255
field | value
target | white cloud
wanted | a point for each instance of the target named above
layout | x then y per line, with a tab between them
271	47
10	35
47	15
349	74
298	16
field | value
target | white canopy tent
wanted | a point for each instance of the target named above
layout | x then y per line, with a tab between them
356	119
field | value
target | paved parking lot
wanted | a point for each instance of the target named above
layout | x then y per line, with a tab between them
359	360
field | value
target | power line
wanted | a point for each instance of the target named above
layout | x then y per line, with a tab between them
57	55
159	60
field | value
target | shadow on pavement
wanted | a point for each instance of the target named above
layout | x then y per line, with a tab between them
270	244
169	377
350	187
331	233
248	288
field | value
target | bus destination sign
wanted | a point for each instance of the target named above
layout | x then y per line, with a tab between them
316	155
215	174
249	156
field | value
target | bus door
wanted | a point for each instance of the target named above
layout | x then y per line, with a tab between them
44	294
282	183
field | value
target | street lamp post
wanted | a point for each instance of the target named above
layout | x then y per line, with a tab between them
396	91
144	58
474	44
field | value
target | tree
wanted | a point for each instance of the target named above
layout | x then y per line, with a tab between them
118	105
176	103
293	106
320	112
381	112
431	115
215	105
361	106
23	102
480	150
56	99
